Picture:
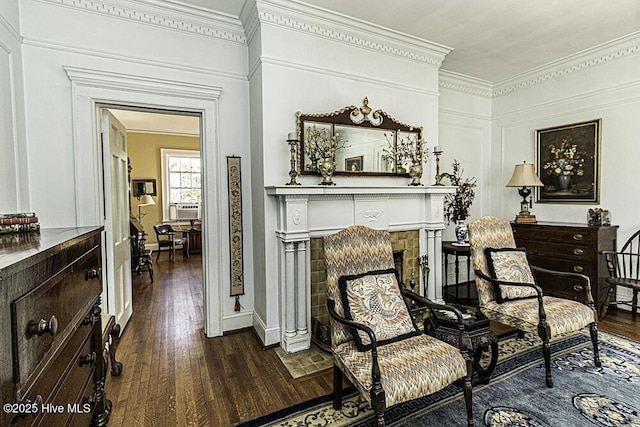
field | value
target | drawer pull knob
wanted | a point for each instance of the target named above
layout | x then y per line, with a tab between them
578	252
578	237
578	269
88	320
88	359
43	327
578	288
93	273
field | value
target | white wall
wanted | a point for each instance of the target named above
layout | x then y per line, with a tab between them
14	171
311	61
601	83
181	49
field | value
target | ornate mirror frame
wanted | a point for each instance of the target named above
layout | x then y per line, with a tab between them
367	140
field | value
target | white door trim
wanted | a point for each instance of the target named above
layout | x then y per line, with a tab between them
91	88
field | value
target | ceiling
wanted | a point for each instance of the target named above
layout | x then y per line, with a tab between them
492	40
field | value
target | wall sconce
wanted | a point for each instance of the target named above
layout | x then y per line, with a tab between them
525	176
145	200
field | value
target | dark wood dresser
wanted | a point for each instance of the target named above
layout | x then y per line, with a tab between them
568	247
51	346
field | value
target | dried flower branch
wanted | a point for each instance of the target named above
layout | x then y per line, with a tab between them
319	144
457	205
408	151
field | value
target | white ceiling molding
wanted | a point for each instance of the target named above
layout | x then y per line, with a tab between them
163	14
465	84
593	57
348	30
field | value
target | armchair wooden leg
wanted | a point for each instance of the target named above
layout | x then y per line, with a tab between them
337	388
467	388
378	402
634	304
544	332
593	330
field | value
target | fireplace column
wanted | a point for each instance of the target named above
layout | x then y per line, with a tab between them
294	236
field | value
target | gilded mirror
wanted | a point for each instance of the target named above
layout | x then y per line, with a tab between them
364	141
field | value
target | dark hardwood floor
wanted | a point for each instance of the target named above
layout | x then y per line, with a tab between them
175	376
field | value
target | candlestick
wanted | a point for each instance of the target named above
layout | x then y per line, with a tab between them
292	140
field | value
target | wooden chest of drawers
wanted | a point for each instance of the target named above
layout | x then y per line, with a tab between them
51	358
568	247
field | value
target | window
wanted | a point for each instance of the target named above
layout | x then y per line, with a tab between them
181	178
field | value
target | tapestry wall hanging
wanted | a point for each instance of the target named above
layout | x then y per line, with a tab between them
234	180
568	163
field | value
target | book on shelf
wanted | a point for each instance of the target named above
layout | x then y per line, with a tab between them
19	220
18	215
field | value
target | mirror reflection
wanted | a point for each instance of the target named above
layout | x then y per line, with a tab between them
361	142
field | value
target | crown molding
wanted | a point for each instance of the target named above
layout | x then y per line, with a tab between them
589	58
316	21
466	84
168	14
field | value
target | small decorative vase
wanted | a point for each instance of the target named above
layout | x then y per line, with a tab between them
327	167
461	231
415	172
564	182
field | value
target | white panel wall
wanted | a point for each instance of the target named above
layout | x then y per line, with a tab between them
159	45
309	63
14	196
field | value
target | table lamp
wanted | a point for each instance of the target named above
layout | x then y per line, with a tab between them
525	176
145	200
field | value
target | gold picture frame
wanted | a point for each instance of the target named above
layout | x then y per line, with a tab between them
568	163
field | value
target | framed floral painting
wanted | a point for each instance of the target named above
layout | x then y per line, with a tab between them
568	163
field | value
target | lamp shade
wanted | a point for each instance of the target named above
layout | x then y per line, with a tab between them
146	200
524	176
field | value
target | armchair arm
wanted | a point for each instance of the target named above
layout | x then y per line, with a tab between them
582	277
375	368
437	306
538	289
542	315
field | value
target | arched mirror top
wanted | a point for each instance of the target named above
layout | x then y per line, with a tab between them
362	141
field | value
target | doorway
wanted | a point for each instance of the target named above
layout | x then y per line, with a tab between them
143	134
92	88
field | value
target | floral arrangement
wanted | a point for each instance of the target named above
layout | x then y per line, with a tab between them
320	144
408	151
457	205
565	160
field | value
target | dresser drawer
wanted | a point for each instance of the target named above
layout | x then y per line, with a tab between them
582	237
44	318
574	251
63	385
560	264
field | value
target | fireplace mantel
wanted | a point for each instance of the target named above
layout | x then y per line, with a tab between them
308	211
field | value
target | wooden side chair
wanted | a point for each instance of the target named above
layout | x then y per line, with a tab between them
508	293
624	271
140	255
168	240
375	342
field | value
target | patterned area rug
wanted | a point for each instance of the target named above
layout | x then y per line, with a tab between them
583	395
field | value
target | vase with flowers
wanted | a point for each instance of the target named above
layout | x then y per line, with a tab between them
563	162
458	204
410	154
320	147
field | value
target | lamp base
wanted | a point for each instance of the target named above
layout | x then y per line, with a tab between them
526	219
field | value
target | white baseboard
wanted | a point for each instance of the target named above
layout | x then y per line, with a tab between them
240	320
268	336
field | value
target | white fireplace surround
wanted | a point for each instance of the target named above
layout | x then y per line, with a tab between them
306	211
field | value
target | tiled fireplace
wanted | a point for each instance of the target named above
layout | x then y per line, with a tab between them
413	216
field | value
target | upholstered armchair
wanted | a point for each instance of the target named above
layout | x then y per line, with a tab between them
374	340
624	271
508	293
